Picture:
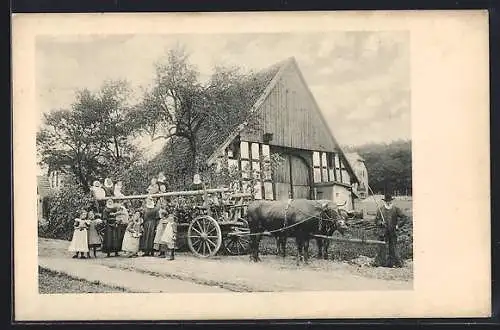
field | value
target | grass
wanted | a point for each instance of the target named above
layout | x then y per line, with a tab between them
50	282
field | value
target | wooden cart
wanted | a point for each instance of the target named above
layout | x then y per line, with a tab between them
210	228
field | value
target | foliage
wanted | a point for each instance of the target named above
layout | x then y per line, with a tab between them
194	117
64	208
389	166
176	105
92	139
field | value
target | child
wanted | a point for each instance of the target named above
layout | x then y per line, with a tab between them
93	238
169	236
99	194
153	187
161	178
108	187
117	192
79	243
160	228
132	236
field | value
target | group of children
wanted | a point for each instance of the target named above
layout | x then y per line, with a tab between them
109	189
152	227
85	235
157	233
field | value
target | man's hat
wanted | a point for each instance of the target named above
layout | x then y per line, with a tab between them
387	198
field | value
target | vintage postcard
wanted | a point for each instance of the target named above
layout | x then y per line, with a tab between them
251	165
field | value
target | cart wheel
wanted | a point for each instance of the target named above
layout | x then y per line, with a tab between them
204	236
236	244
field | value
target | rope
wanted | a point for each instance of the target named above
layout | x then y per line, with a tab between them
286	227
276	230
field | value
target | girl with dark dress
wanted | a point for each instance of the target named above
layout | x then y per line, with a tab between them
151	218
111	242
109	187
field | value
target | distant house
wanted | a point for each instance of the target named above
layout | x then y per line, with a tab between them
46	186
358	164
42	192
287	121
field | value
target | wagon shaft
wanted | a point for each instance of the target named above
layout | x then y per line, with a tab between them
351	240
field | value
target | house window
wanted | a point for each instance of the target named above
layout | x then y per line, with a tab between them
254	162
244	152
323	167
344	175
317	166
338	175
267	175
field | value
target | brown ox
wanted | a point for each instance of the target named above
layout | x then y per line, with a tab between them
301	217
325	228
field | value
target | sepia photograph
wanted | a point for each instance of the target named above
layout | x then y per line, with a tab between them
228	162
214	148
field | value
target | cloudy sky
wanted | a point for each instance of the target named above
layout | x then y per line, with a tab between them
359	79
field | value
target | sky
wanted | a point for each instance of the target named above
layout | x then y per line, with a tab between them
361	80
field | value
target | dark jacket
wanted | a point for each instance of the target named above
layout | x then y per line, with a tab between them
393	218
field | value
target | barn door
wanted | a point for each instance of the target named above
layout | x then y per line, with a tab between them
282	178
292	178
301	187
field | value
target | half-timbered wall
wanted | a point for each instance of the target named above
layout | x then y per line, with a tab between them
295	176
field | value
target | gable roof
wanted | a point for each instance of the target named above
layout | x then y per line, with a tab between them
265	93
259	86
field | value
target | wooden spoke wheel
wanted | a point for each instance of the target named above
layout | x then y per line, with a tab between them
235	244
204	236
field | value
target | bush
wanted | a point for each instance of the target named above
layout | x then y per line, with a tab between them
64	207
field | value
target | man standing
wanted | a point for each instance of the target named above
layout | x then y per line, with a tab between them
387	222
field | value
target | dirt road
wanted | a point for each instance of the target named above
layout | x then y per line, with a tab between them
226	273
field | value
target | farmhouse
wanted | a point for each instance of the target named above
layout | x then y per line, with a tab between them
276	115
286	120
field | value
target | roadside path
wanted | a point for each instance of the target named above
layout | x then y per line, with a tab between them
218	274
131	280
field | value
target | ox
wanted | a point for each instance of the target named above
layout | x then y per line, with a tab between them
301	217
325	228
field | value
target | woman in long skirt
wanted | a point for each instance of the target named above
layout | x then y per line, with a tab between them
132	235
159	232
79	243
122	220
111	241
151	217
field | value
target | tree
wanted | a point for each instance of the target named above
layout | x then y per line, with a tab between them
92	139
176	105
389	165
